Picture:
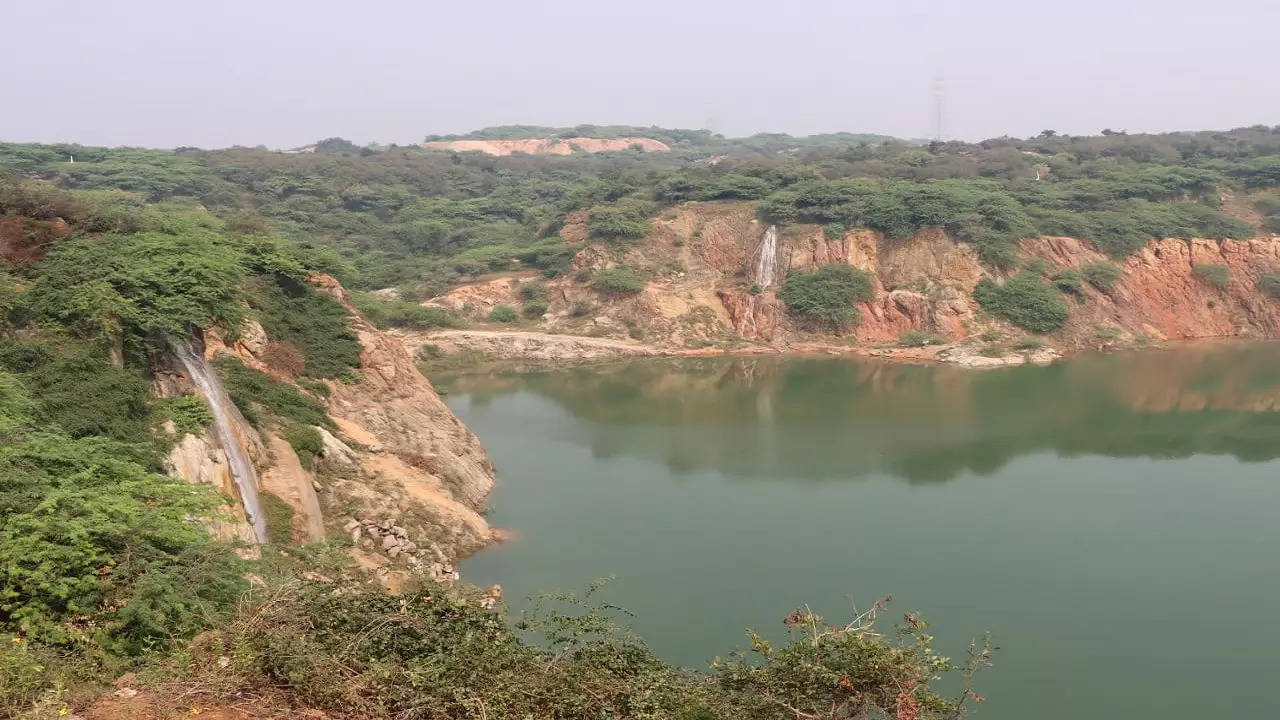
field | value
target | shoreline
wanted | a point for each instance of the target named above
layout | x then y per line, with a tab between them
529	351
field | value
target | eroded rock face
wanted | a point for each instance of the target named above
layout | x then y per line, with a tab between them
1161	296
753	316
427	464
398	453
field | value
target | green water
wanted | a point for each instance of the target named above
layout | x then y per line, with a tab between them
1113	520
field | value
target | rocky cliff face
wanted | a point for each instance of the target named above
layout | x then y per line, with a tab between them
398	458
701	262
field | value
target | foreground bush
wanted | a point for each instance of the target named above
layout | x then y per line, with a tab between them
1025	301
826	296
432	653
95	547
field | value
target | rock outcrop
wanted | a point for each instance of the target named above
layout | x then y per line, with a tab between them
396	454
549	146
702	262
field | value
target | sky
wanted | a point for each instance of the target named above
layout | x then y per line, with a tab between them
284	73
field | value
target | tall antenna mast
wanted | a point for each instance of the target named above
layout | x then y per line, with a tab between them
937	108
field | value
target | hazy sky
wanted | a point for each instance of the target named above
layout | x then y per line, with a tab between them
283	73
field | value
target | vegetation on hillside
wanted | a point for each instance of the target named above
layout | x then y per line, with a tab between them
397	216
825	297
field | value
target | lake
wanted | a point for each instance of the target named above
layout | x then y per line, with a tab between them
1113	520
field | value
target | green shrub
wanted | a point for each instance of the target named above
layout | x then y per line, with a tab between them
618	280
579	308
142	284
619	221
1001	255
1036	266
251	390
919	338
534	309
1216	275
190	414
402	313
94	543
503	314
1025	301
310	321
1029	342
755	289
1102	275
826	295
24	675
305	441
362	653
79	392
534	290
1069	281
1269	284
278	516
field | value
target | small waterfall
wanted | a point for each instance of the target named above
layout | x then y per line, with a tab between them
767	265
225	415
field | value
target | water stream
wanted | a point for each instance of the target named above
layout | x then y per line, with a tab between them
767	265
225	415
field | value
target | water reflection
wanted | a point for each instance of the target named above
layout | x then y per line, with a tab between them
828	418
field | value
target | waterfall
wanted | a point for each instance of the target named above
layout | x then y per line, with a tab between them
225	415
767	265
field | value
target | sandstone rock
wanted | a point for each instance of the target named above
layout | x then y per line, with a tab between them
334	450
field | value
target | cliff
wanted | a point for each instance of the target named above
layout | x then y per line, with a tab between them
399	473
703	292
549	146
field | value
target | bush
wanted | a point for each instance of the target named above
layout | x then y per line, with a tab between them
535	290
93	544
1102	275
1025	301
81	394
1069	281
826	296
619	280
1029	342
402	313
190	414
431	652
620	221
503	314
1216	275
580	308
308	320
1269	284
305	441
278	516
919	338
534	309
